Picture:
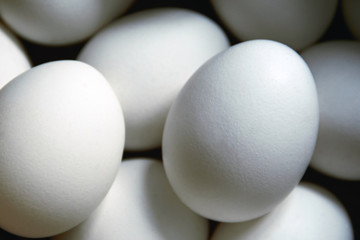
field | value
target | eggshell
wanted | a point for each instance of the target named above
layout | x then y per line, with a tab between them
60	22
13	59
351	13
309	213
140	205
147	57
335	66
296	23
241	132
62	138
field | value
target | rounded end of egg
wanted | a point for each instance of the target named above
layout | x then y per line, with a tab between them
297	24
61	144
311	208
59	23
334	65
147	57
241	133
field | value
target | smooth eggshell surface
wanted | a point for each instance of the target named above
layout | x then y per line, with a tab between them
335	66
296	23
309	213
60	22
140	205
351	12
147	58
241	133
62	139
13	59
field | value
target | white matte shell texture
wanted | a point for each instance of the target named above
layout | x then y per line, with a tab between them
241	132
141	205
309	213
147	58
335	66
61	142
296	23
60	22
13	59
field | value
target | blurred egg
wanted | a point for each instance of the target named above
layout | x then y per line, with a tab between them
351	13
140	205
309	213
335	67
60	22
296	23
241	133
13	59
62	138
147	57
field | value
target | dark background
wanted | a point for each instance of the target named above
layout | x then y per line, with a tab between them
346	191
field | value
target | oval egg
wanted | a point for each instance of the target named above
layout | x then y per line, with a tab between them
147	57
140	205
296	23
335	67
310	212
60	22
61	142
241	133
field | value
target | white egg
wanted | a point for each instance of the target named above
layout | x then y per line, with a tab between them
335	67
140	205
62	139
241	133
147	57
60	22
309	213
351	13
296	23
13	59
